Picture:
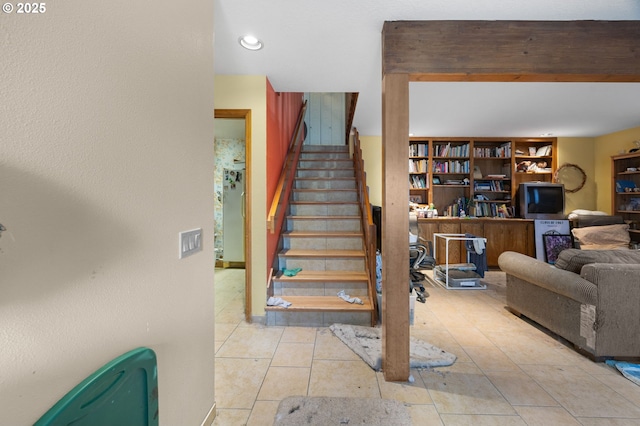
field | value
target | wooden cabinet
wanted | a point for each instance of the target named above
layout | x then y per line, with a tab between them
625	190
479	176
501	234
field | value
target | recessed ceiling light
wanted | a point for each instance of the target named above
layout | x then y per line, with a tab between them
250	42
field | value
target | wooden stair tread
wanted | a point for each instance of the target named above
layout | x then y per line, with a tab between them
322	202
324	276
322	234
322	253
327	179
324	189
321	217
324	169
323	304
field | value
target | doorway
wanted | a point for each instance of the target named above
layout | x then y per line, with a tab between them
237	186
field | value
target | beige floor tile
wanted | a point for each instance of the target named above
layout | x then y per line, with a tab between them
480	420
529	348
443	340
299	335
629	390
223	331
463	389
263	413
599	421
424	415
520	389
227	417
293	355
581	394
281	382
237	381
408	393
469	336
230	315
490	358
343	379
251	342
329	346
544	416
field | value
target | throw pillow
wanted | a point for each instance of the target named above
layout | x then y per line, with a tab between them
603	237
574	259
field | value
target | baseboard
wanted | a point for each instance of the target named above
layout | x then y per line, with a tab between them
211	416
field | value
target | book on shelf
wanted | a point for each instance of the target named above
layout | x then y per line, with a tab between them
418	150
451	166
502	151
418	182
449	150
417	166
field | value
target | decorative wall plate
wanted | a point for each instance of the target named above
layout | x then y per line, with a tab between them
572	176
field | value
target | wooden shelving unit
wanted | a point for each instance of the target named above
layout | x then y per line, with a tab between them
477	175
626	202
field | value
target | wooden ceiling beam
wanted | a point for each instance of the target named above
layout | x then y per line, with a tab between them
529	51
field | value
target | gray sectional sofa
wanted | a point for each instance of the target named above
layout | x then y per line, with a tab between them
589	297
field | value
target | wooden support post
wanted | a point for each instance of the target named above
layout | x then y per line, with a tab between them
395	227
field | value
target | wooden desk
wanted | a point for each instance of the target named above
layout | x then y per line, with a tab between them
503	234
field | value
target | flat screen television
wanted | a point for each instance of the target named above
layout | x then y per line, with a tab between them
541	200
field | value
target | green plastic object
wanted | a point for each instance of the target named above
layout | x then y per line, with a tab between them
123	392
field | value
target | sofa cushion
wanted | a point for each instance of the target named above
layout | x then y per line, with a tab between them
605	237
574	259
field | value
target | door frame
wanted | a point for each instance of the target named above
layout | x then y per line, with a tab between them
246	115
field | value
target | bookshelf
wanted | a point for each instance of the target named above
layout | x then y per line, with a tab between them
625	190
477	176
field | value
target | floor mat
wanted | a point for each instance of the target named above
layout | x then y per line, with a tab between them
366	342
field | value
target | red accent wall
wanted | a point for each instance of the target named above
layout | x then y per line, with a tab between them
282	113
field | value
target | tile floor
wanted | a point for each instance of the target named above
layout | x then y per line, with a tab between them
508	372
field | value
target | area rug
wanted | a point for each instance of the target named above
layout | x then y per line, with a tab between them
366	342
299	410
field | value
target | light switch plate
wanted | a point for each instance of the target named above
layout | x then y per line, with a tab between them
190	242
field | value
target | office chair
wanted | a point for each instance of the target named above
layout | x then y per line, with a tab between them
420	257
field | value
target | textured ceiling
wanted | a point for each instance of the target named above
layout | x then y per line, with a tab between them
334	46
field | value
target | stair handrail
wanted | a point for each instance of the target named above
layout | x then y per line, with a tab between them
368	226
280	203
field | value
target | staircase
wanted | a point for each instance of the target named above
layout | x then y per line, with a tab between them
322	236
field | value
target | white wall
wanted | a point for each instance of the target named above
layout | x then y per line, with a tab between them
106	153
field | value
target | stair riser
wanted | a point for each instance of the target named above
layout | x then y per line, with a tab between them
321	243
350	225
324	164
325	196
324	209
325	173
321	264
325	184
324	156
317	319
319	289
